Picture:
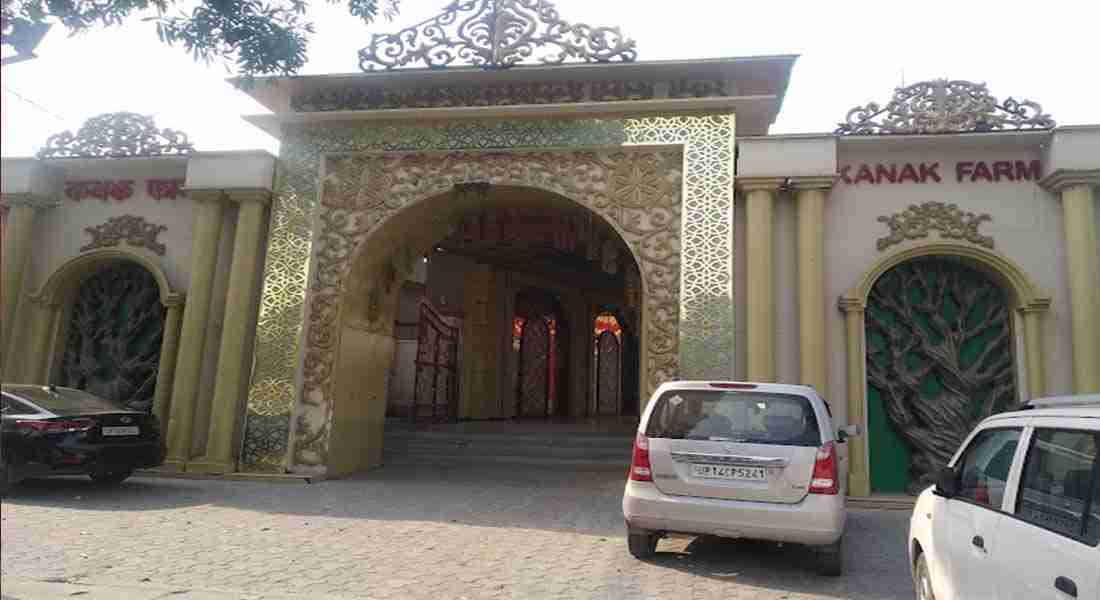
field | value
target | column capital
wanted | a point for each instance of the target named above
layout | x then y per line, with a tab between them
230	194
37	201
1038	305
811	182
1064	178
755	184
849	304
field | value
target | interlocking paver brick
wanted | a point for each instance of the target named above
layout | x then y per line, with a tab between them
411	533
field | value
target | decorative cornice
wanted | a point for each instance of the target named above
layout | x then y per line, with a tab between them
1063	178
249	195
32	200
117	135
508	94
132	229
944	106
811	182
918	220
496	34
851	303
754	184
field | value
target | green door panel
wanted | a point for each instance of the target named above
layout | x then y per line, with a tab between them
939	359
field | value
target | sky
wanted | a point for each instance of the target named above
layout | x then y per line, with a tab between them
851	52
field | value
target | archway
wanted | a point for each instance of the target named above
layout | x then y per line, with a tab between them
113	336
108	321
940	357
485	257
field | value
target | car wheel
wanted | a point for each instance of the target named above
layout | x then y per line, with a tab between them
111	476
922	580
642	545
830	559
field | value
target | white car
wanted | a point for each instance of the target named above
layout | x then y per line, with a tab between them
738	460
1016	514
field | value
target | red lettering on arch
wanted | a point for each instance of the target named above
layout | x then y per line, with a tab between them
865	174
981	170
962	169
882	172
844	174
1027	171
1003	168
929	172
908	172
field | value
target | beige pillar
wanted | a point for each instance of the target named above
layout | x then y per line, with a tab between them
232	372
166	369
18	233
42	318
760	195
1033	348
810	193
209	207
859	476
1083	270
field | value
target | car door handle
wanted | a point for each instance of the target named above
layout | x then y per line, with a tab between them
1066	586
979	542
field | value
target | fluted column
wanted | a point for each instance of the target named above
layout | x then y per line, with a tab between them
1082	271
18	232
239	300
760	193
810	194
209	207
166	369
1033	348
859	476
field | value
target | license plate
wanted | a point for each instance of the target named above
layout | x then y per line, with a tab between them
729	472
122	430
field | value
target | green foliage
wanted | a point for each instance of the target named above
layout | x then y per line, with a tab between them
260	37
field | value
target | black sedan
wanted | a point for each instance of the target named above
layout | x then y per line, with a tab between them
51	430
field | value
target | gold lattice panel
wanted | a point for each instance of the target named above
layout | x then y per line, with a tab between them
705	317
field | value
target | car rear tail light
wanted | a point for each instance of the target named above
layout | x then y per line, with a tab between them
55	425
734	386
639	463
825	477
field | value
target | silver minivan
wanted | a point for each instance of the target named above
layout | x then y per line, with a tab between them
738	460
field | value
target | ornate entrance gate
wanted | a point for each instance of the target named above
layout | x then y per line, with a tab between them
112	347
435	386
939	359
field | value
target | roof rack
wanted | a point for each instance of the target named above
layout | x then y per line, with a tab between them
1064	401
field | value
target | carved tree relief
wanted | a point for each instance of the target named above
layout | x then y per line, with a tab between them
939	352
114	337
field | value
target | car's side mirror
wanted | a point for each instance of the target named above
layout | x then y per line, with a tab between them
947	482
848	431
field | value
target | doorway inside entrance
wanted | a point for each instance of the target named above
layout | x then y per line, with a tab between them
527	309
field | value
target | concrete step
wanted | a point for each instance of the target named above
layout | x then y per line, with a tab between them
551	449
524	461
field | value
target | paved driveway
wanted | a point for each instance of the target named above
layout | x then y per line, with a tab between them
463	532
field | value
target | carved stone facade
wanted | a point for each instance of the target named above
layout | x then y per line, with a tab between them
508	94
704	281
116	135
944	106
496	34
638	192
132	229
919	220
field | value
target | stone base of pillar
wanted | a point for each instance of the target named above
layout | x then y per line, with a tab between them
173	466
210	467
858	486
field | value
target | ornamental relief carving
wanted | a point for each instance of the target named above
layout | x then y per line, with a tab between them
132	229
637	192
918	221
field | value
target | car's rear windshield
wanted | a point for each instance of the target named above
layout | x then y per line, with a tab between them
735	416
65	401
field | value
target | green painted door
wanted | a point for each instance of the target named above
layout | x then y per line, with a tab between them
112	348
939	359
